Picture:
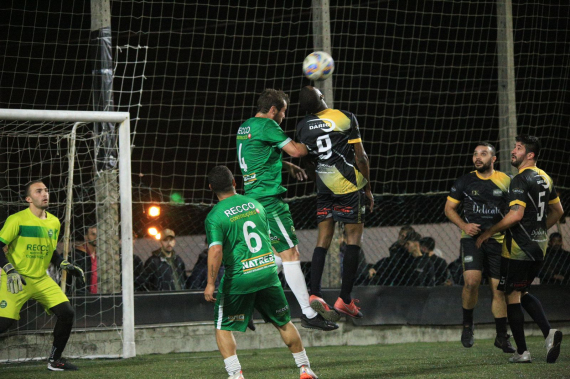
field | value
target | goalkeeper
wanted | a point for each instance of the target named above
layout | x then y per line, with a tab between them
28	243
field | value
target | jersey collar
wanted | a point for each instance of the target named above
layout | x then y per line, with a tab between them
526	168
482	178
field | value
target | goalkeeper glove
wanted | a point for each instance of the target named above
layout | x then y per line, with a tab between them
14	279
75	271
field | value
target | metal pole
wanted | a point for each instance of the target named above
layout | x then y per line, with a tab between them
129	347
322	42
506	84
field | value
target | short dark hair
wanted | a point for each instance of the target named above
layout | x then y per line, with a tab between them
414	237
555	235
428	243
407	229
485	143
88	228
271	97
221	179
530	143
309	100
26	192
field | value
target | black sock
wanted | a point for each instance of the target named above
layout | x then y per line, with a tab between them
62	331
516	321
349	268
317	268
501	325
467	317
534	308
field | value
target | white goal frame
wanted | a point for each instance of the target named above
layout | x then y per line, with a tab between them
123	118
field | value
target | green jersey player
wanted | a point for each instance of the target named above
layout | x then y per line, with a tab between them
260	142
237	230
27	246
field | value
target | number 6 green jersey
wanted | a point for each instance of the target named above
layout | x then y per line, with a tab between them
259	143
240	225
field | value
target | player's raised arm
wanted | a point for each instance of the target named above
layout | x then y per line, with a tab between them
295	149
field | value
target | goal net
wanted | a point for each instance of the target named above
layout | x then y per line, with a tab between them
90	200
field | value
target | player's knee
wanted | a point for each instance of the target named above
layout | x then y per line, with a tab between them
64	312
290	255
471	284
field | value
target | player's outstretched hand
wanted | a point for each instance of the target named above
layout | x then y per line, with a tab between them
14	280
75	271
297	172
209	293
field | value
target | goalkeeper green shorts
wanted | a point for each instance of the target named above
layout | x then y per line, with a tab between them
44	290
283	235
233	311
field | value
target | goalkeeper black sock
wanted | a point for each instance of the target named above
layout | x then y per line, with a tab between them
467	317
516	321
62	330
349	268
534	308
317	268
501	325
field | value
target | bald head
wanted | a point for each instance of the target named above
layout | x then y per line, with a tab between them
311	100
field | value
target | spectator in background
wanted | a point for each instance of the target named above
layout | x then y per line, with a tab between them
164	270
199	276
86	259
455	270
556	267
427	246
388	271
138	269
419	269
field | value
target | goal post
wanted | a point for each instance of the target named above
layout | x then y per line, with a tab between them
126	236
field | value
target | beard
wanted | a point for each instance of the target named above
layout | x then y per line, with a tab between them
484	167
517	162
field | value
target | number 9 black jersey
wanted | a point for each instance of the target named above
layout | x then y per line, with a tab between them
533	189
328	136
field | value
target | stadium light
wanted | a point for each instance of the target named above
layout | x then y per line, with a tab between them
157	236
152	231
154	211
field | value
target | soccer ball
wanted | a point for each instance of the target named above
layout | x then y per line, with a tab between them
318	65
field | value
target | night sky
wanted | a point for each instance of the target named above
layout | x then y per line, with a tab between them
421	79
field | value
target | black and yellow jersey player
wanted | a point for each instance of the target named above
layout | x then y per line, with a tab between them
28	243
483	194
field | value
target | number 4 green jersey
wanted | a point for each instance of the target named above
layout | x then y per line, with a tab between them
259	144
31	241
240	225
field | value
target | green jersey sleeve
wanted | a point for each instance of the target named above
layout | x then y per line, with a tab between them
273	134
10	230
214	233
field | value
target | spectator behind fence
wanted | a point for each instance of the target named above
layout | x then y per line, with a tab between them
164	270
86	259
556	267
199	276
417	267
387	271
442	277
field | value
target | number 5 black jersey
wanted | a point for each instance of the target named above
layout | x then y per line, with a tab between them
328	136
533	189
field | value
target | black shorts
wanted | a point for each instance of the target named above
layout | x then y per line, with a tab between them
487	257
348	208
517	275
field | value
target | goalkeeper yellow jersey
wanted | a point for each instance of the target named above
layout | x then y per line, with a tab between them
31	241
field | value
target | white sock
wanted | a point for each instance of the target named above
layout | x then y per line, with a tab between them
279	263
296	281
232	365
301	359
